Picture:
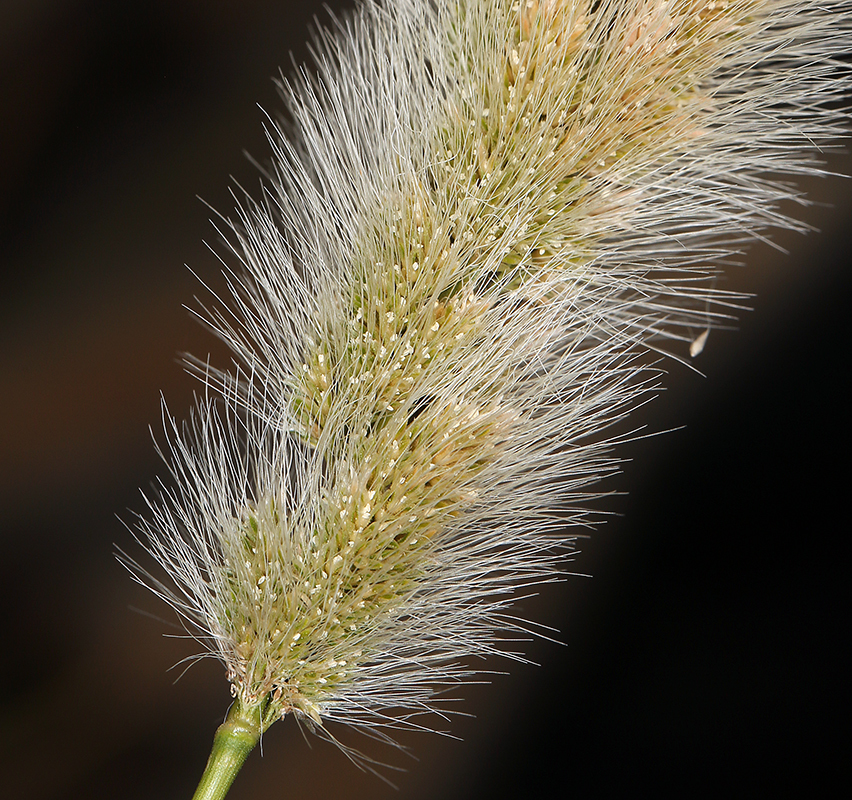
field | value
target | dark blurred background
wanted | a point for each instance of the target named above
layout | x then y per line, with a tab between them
705	651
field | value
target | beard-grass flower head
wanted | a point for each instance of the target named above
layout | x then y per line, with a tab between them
480	216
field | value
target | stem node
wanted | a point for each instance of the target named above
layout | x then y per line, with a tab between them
234	740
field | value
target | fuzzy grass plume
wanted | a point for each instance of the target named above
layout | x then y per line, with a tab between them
481	216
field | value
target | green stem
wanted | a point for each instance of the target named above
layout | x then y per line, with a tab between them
234	740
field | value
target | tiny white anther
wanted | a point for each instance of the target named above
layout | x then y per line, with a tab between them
697	344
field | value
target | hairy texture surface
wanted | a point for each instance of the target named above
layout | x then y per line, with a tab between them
484	213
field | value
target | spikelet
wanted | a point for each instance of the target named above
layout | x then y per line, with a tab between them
484	214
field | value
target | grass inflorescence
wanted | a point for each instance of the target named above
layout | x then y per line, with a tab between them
483	213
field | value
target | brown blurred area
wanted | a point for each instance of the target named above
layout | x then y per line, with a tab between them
704	652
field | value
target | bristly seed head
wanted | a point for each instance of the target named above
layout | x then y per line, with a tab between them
491	208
